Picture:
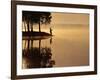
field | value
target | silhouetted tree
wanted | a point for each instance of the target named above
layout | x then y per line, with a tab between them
33	17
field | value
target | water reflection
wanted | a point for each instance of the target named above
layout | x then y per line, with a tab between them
36	55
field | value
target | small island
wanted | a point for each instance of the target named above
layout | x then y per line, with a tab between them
36	18
35	33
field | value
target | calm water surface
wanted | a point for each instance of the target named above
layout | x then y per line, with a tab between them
68	47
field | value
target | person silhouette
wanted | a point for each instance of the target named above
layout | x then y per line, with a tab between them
50	30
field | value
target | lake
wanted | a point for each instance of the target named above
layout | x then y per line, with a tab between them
69	46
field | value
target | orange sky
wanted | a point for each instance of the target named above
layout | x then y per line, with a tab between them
69	18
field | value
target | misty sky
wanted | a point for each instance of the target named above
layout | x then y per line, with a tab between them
66	19
69	18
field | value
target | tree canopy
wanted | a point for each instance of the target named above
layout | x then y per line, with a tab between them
34	17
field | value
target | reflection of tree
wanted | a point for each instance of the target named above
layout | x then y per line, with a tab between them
30	18
37	57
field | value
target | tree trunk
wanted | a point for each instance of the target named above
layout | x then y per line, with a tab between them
28	26
24	26
39	27
31	27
